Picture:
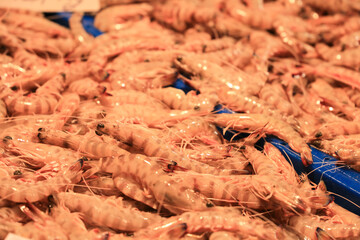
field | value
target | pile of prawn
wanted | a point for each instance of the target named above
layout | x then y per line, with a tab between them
96	143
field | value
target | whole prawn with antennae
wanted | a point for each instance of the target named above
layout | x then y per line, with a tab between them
270	125
242	102
333	129
43	101
348	58
144	139
346	148
177	99
313	226
86	87
106	213
216	219
170	194
36	24
18	191
91	148
177	14
99	56
206	75
118	97
194	128
150	116
113	17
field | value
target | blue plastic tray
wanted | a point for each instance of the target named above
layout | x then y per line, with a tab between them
342	181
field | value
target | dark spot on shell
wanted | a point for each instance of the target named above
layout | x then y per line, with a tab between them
17	173
146	60
196	108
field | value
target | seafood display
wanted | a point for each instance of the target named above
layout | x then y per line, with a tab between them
99	142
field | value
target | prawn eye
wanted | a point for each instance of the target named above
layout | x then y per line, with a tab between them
146	60
316	143
104	89
7	138
85	159
179	59
100	125
14	88
197	108
106	75
98	133
170	168
204	48
318	134
51	198
81	161
243	147
63	75
17	173
106	236
209	205
270	68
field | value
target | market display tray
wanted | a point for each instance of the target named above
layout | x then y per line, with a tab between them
341	181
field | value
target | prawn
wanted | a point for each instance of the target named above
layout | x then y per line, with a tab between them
311	226
36	24
106	213
167	191
18	191
43	101
217	219
177	14
119	97
177	99
150	116
270	125
213	75
194	128
344	147
99	56
252	191
347	58
112	18
144	139
92	148
42	226
333	129
87	88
